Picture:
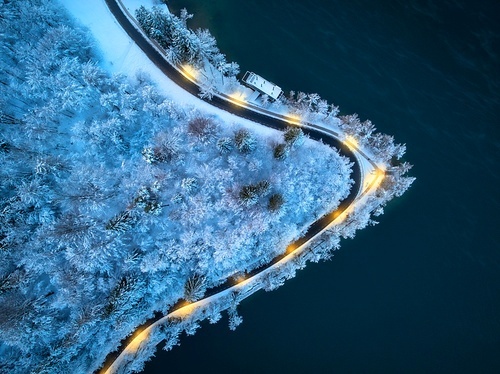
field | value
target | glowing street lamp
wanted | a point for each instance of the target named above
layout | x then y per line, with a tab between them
136	343
291	248
293	119
351	142
190	72
240	279
185	310
238	98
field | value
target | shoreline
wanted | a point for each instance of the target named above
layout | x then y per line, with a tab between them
132	345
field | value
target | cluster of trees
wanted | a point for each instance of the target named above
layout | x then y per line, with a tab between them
200	49
115	202
321	249
169	330
293	138
382	145
251	193
310	105
181	44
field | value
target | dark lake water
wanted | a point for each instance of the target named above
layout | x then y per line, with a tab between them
420	292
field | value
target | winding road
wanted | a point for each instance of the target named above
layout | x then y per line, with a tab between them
253	113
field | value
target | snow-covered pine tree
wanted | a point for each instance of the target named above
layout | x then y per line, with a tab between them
294	136
281	151
194	288
207	90
275	202
244	141
224	145
234	319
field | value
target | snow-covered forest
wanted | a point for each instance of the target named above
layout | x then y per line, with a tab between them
114	199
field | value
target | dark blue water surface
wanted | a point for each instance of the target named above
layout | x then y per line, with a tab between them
420	292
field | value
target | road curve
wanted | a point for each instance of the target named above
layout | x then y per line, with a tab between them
222	102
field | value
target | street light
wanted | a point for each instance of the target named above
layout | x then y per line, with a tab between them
351	142
190	72
135	344
290	249
294	119
238	98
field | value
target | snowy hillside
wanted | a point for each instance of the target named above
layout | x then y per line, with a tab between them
114	197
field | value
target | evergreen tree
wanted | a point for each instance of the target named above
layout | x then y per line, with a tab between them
203	128
294	136
244	141
224	145
275	202
251	193
281	151
234	319
189	185
194	288
207	91
121	222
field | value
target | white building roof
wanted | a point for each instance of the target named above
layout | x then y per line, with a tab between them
256	81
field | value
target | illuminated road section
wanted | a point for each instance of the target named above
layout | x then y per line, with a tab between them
367	177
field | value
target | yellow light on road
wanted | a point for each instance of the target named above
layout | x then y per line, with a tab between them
380	176
240	279
134	345
335	214
291	248
185	310
351	142
238	98
293	119
373	179
190	72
